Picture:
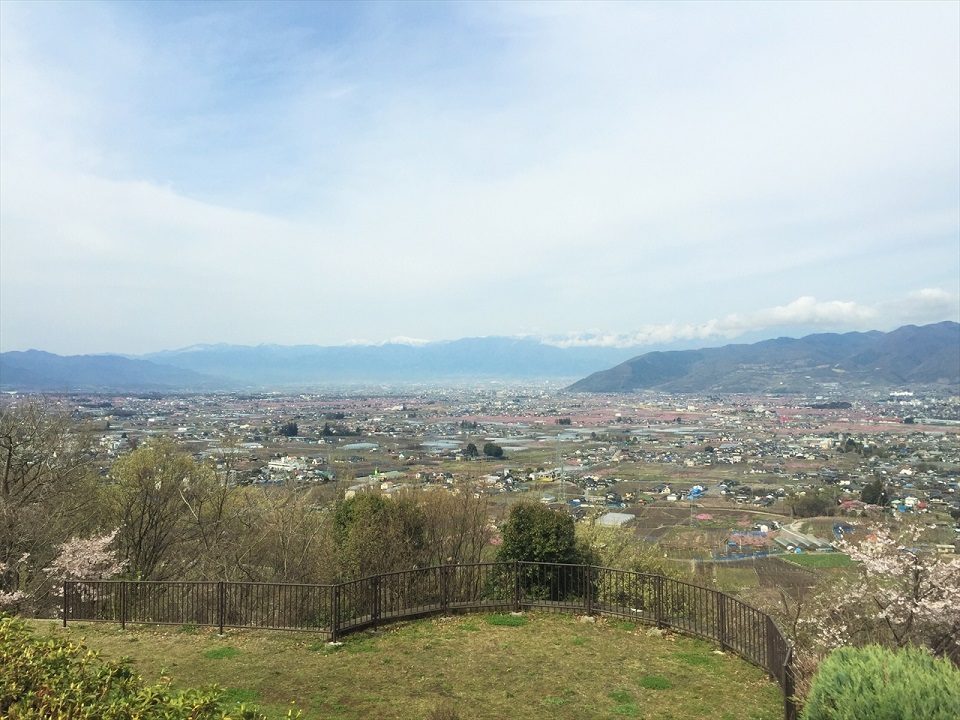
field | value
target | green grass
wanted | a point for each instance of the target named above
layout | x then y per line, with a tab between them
235	696
625	706
549	666
220	653
695	658
507	620
655	682
820	561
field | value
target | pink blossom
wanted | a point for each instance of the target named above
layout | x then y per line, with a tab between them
902	596
10	601
86	559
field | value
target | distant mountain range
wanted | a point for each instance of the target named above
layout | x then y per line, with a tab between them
909	355
226	367
38	371
464	359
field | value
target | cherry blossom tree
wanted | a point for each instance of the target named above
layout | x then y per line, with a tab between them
47	491
87	559
904	595
76	559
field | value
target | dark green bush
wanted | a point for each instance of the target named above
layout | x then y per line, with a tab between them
880	684
59	680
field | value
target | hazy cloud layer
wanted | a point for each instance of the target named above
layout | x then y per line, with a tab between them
175	173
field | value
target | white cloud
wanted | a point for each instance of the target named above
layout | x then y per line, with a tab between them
920	307
307	173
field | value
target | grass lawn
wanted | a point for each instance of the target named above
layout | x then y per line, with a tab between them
474	667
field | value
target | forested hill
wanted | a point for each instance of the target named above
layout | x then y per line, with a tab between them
909	355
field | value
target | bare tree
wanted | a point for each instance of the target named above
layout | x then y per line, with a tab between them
159	496
280	537
457	528
376	534
47	489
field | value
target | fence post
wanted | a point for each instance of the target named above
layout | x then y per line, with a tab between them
658	598
375	601
789	708
335	622
588	573
66	590
221	601
516	586
770	636
123	604
445	589
722	620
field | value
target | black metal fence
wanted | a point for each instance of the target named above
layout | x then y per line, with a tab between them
335	610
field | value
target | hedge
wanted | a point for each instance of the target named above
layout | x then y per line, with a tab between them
880	684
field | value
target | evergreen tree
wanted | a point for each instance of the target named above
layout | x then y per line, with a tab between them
874	493
492	450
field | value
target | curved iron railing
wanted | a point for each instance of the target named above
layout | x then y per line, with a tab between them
335	610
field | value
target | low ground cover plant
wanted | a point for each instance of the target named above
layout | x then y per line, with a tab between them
59	679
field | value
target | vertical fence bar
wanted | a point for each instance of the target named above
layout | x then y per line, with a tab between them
221	602
66	591
123	604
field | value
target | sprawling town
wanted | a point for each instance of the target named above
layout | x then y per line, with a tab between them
770	524
682	471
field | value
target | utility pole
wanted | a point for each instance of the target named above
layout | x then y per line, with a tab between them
560	463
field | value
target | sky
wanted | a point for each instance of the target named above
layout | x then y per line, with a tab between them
626	174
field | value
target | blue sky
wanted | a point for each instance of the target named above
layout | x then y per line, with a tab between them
622	173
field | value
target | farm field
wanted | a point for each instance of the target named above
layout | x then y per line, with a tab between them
742	576
473	667
820	561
